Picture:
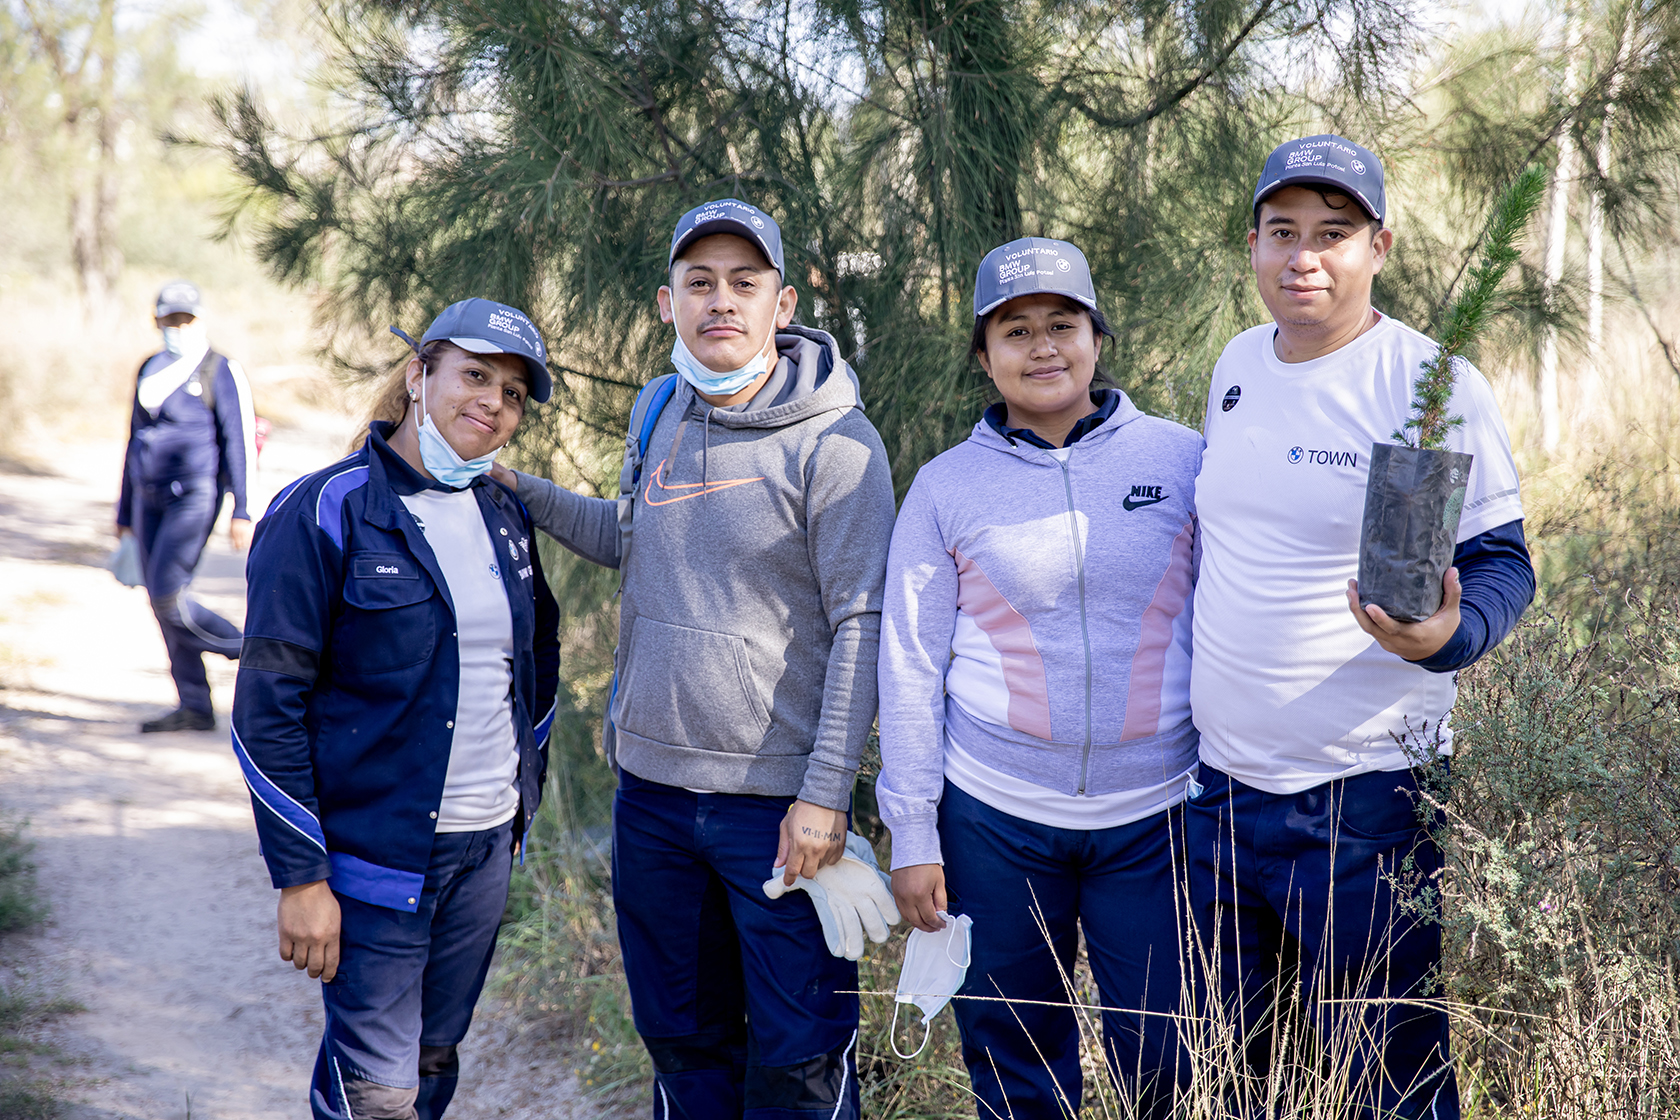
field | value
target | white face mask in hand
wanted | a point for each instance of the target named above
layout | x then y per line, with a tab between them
935	966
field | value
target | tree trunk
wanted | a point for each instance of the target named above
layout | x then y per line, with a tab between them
93	203
1550	412
1594	390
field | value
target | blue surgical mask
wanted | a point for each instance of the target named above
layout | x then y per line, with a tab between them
441	460
710	381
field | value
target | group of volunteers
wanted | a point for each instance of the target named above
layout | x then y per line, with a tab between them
1125	687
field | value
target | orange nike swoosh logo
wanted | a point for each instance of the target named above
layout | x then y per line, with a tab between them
698	489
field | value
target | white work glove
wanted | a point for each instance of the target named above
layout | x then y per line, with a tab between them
852	898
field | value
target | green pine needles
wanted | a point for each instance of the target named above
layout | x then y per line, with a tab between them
1471	311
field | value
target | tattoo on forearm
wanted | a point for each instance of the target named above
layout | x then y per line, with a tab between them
819	834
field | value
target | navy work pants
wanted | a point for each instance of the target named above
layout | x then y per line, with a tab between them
742	1008
1121	887
172	522
1296	893
407	983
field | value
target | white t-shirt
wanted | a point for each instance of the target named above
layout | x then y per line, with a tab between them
1041	805
479	790
1286	689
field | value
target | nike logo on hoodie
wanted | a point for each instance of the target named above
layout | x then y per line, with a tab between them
695	489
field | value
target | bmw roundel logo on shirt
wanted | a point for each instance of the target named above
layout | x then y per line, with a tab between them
1296	453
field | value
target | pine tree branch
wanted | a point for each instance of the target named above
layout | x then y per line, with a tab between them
1471	311
1614	76
1161	105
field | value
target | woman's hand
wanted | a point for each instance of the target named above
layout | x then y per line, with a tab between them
919	891
812	837
309	925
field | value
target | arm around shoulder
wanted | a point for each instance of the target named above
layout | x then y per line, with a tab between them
586	526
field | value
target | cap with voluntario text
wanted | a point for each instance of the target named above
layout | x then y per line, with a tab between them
728	215
1324	161
1029	266
179	296
484	326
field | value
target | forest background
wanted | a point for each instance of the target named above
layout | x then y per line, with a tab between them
327	169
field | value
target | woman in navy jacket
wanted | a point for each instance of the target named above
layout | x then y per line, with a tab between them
395	692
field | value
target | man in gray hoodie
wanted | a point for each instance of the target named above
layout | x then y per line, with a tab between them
744	681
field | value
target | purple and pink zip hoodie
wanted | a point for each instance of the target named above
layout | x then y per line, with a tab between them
1038	615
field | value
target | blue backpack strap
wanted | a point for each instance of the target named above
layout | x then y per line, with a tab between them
644	417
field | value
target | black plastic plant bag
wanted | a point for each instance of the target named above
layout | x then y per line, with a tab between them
1413	499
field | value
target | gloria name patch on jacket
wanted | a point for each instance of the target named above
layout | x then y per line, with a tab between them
384	566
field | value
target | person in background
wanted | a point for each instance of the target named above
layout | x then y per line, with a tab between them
1035	697
745	684
191	440
392	713
1318	729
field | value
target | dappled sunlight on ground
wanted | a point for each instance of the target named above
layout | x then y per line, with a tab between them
162	912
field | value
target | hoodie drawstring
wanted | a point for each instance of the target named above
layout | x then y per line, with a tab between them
706	453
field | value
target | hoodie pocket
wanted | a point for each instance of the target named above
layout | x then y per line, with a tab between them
690	688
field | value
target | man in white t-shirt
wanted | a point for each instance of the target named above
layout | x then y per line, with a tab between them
1315	713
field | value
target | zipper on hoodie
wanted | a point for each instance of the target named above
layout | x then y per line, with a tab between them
1084	626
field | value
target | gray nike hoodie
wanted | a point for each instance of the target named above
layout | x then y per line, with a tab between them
751	610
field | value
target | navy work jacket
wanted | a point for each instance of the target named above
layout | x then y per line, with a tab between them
201	433
344	712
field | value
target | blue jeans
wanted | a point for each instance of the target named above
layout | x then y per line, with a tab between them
407	983
742	1008
171	524
1119	885
1297	890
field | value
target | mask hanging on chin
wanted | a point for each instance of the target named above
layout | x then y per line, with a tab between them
442	461
710	381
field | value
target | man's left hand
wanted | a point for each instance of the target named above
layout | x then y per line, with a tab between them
812	837
1413	641
239	534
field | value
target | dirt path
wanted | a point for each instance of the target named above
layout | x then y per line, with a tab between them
162	916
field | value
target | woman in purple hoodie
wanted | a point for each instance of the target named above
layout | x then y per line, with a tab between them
1035	697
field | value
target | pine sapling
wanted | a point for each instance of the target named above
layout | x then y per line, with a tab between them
1429	424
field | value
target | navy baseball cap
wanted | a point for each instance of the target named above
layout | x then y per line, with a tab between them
728	215
484	326
1029	266
178	296
1325	161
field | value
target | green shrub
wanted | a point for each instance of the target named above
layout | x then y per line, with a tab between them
19	905
1561	901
